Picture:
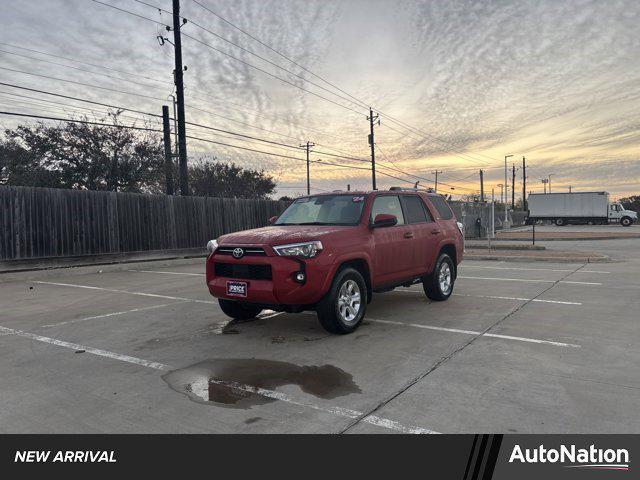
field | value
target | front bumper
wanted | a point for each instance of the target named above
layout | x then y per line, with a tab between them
282	289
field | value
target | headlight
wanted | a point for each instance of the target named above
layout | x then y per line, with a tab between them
305	250
461	228
212	245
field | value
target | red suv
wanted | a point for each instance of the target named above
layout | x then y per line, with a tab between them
330	252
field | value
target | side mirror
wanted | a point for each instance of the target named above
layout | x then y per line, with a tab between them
384	220
272	220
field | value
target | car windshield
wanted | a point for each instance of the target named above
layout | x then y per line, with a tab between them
323	210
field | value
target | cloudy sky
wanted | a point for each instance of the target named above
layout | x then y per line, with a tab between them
459	84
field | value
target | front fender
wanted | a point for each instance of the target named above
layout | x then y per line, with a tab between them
338	260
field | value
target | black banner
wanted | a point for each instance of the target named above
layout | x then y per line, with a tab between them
460	457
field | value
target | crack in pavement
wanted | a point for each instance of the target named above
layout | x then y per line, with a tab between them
446	358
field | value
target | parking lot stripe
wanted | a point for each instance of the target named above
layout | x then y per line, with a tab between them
94	351
124	291
168	273
338	411
124	312
472	332
464	266
497	297
528	280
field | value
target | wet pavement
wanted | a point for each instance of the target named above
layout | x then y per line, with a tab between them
520	347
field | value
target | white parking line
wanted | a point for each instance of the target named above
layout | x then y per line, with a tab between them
496	297
343	412
124	312
528	280
125	291
339	411
94	351
464	266
472	332
168	273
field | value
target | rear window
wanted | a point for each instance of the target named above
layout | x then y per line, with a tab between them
444	211
414	209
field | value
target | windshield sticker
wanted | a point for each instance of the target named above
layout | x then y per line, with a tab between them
302	200
358	199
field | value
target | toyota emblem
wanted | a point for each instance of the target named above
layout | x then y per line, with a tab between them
238	252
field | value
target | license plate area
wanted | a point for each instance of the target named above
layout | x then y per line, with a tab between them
237	289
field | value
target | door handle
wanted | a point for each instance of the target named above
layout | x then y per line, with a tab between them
435	231
408	234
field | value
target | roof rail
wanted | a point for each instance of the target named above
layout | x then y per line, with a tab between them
397	189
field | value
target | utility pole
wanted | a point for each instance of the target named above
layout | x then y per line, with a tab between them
372	119
501	192
570	188
549	181
168	156
524	185
308	146
481	186
513	187
179	81
436	172
506	187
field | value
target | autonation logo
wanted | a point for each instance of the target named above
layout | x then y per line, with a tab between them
573	457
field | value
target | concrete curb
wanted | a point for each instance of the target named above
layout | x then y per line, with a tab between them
34	273
523	258
565	239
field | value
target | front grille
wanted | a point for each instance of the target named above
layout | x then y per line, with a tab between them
248	251
238	270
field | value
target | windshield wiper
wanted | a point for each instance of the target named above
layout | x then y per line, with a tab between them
314	223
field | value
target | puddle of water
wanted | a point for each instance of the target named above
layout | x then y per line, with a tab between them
204	382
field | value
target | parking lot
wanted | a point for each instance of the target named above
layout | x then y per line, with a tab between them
521	347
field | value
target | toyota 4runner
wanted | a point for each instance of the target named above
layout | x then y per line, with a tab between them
331	252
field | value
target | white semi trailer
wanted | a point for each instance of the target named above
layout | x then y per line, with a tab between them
579	207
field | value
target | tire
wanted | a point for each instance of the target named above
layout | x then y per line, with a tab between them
238	310
342	309
433	287
626	221
560	222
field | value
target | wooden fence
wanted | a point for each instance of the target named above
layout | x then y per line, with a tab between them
47	222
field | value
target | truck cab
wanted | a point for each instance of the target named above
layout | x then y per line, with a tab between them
617	213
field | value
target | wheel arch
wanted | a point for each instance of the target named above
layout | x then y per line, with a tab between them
361	265
450	249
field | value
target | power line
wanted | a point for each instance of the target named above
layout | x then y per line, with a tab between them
162	82
69	97
232	56
250	52
354	100
393	119
82	62
82	83
278	53
70	120
79	69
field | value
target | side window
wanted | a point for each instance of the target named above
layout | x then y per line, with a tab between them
444	211
389	204
414	209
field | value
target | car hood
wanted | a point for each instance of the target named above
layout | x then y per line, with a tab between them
280	235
